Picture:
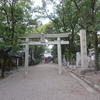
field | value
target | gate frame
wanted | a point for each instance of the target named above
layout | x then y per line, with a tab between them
42	42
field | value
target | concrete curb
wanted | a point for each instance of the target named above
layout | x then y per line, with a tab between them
87	87
92	84
87	81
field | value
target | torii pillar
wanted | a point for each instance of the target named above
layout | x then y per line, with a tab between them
26	55
59	55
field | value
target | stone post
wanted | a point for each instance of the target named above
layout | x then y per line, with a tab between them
64	61
26	56
78	59
84	63
59	56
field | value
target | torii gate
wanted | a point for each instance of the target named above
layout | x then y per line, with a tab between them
58	42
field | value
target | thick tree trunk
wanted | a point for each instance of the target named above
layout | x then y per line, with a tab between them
3	67
97	67
5	56
10	64
70	58
70	47
70	53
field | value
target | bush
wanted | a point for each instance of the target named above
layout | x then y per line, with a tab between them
34	62
55	60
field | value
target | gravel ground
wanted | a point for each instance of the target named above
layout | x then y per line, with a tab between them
43	83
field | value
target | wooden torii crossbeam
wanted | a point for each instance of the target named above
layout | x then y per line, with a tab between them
58	42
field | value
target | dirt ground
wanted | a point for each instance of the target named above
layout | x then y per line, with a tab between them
9	73
92	77
44	83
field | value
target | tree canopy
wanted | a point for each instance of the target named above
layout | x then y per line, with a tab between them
73	15
16	17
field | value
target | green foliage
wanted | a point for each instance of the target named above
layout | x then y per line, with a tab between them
47	28
71	16
34	62
54	51
55	60
15	17
37	51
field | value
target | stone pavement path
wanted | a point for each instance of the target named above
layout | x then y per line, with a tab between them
43	83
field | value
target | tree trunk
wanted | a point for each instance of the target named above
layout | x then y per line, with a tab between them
3	67
70	53
70	47
10	63
96	52
4	63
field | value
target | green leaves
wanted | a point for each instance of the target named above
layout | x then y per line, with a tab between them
15	17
